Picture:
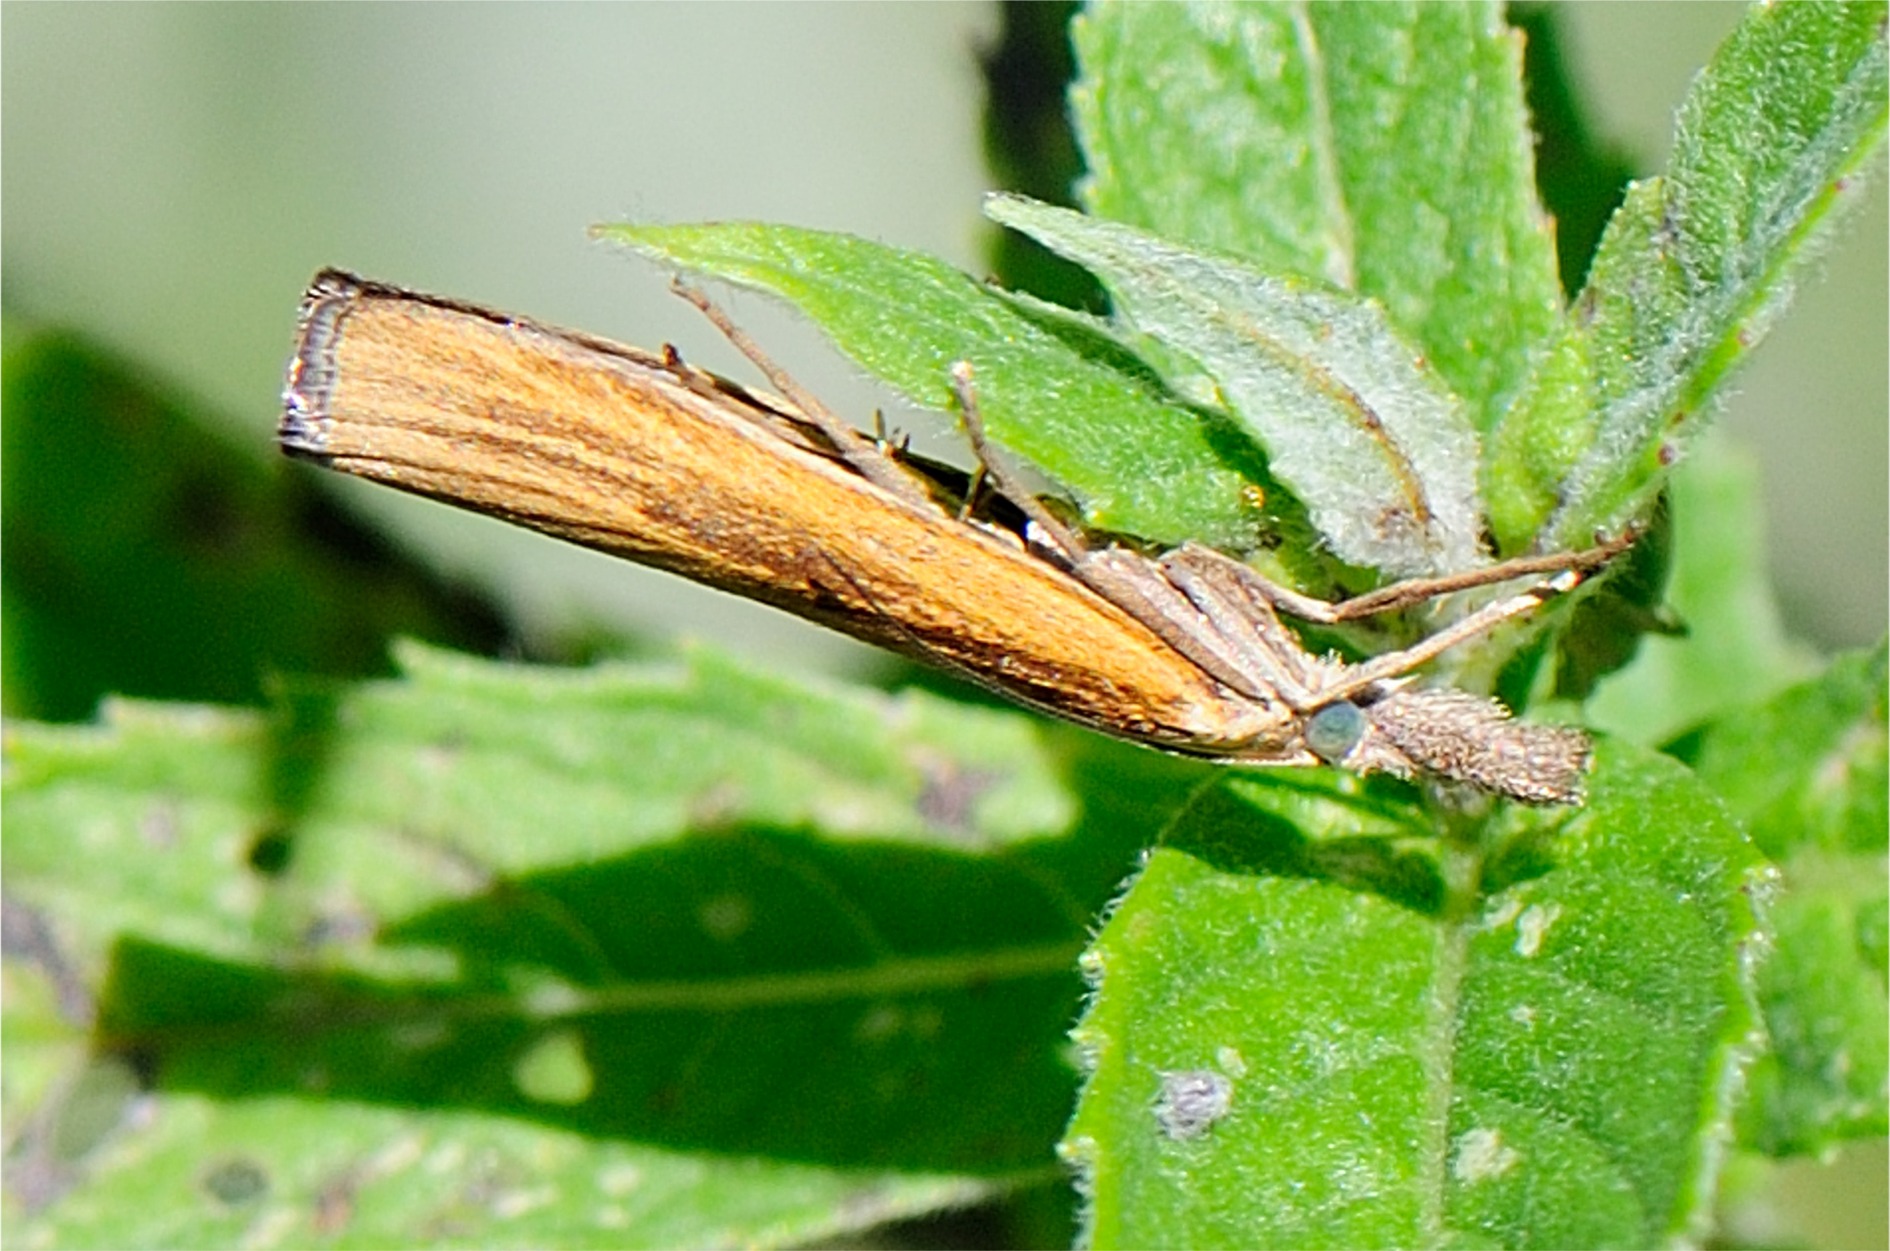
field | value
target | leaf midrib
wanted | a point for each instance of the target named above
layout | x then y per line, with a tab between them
1438	1052
906	975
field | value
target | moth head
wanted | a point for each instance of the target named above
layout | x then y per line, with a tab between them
1454	735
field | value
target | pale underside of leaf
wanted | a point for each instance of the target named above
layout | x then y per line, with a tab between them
1353	419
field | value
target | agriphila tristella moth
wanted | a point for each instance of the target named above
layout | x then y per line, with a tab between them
647	458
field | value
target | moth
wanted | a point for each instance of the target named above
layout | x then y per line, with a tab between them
771	497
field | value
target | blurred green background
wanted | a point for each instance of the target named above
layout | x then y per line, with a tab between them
175	173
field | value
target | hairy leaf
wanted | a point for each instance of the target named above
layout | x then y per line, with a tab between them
1353	420
1380	148
1693	269
1809	771
1534	1047
1135	461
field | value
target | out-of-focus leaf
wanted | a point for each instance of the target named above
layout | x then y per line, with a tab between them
146	557
1732	647
639	955
1028	144
1809	773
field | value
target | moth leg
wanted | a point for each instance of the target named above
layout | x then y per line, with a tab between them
1061	539
1200	627
1420	590
864	455
973	489
1395	664
1248	623
1127	579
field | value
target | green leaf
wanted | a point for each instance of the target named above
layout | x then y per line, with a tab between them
1609	624
147	556
1367	437
1310	1030
1136	462
1380	148
1693	269
1207	125
652	955
1809	771
188	1171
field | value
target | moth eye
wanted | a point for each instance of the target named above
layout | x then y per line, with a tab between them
1333	731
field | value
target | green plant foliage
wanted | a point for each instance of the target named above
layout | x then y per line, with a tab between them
1731	647
1581	174
648	955
1808	773
1028	144
1380	149
1694	267
1182	186
146	556
1355	421
1134	461
1533	1044
682	954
